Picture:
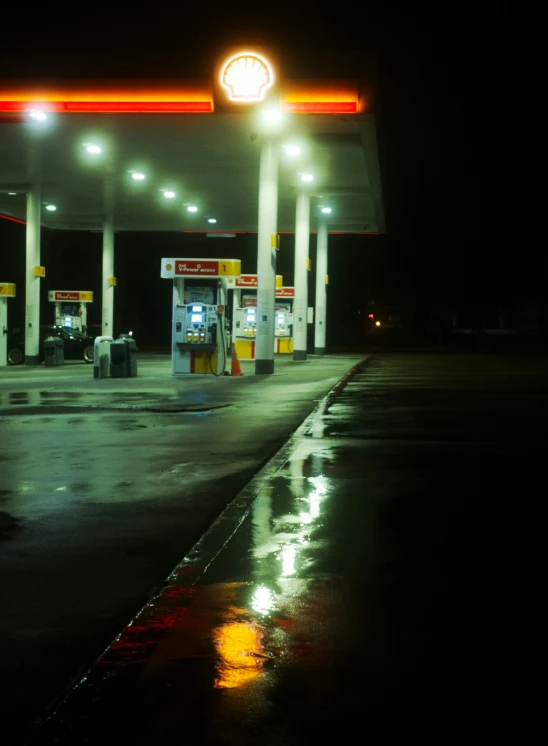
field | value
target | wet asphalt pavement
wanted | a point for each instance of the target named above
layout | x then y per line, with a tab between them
371	584
105	485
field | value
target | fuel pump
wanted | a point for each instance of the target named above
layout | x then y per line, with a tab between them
283	320
248	314
244	314
196	324
71	308
7	290
200	288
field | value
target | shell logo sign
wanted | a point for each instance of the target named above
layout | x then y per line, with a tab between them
246	77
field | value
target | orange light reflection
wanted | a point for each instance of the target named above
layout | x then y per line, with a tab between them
241	655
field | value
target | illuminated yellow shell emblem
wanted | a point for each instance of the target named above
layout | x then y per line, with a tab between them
246	78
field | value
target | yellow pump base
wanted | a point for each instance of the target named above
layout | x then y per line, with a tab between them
245	349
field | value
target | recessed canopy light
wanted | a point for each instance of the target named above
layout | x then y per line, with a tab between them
168	194
38	115
211	220
292	149
93	149
192	208
51	208
326	210
307	177
12	194
377	323
138	176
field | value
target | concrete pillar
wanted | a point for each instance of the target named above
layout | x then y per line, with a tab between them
300	306
3	331
266	258
108	272
32	289
321	290
177	298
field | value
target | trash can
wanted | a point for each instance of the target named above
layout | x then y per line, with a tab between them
60	351
101	357
131	347
54	351
104	363
119	359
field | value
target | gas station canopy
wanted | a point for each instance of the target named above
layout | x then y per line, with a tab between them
147	151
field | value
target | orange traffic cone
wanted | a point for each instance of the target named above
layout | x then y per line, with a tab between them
235	369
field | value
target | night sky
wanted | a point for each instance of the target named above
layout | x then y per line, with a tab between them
459	126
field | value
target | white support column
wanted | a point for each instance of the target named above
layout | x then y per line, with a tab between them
321	290
3	331
300	307
266	258
32	289
108	272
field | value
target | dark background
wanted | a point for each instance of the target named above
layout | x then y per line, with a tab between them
458	108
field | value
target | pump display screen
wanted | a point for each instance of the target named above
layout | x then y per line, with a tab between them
281	316
196	309
197	318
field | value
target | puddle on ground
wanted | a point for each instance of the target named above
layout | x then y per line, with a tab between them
142	400
7	524
63	394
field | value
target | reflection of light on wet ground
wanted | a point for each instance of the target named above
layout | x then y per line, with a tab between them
289	554
286	535
262	514
262	600
305	518
320	483
240	654
315	500
318	426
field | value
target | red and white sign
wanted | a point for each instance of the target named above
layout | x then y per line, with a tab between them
83	296
196	268
285	292
66	295
247	281
249	302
